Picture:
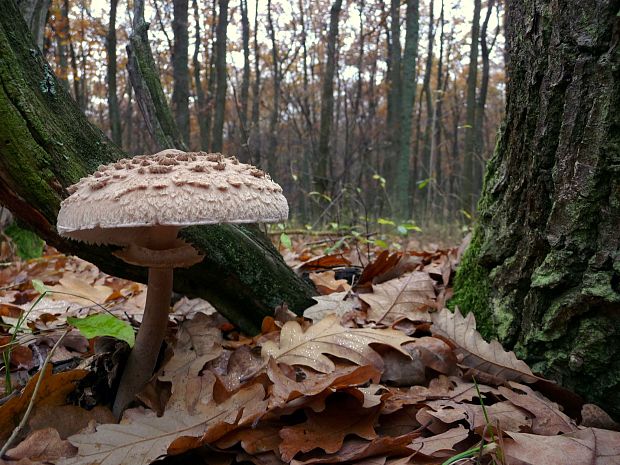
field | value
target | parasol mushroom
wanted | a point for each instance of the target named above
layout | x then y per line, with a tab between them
141	204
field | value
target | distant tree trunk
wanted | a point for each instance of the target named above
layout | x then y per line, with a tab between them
435	157
245	81
113	110
180	71
410	60
395	95
327	102
542	270
200	93
211	79
468	194
428	71
129	135
479	148
275	111
35	13
220	76
145	81
62	36
46	144
255	146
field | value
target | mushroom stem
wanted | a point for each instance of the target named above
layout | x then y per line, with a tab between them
143	357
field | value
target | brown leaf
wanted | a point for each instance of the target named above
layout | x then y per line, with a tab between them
474	352
52	391
548	419
458	390
329	337
262	438
197	343
285	389
74	289
594	416
327	430
69	419
433	353
326	282
405	298
589	446
510	417
382	264
357	449
440	445
44	444
324	262
191	419
329	304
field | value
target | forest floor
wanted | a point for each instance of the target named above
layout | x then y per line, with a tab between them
378	372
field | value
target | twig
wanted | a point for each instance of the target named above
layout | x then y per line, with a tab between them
22	423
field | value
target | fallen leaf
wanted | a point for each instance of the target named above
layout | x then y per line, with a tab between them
404	298
297	347
104	324
547	420
79	291
262	438
357	449
53	390
44	444
328	305
594	416
191	419
326	282
285	389
440	445
69	419
326	430
474	352
589	446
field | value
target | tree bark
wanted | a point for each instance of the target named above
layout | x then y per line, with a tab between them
145	81
275	111
468	194
113	110
394	96
180	70
245	82
327	101
220	76
47	144
410	59
542	272
255	146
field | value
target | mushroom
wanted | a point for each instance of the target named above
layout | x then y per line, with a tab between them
142	210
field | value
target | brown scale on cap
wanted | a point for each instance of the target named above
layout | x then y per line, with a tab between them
168	162
159	169
220	166
199	168
257	173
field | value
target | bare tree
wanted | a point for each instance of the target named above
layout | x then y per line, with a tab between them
180	71
113	109
220	76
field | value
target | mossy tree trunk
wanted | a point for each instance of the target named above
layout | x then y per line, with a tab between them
543	270
47	144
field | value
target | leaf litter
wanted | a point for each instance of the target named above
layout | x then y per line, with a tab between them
377	373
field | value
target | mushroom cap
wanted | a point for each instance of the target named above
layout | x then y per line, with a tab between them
170	188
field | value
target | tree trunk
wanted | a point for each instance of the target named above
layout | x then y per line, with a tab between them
113	110
200	93
275	111
34	13
245	82
255	130
146	83
394	97
542	272
468	194
410	59
180	71
47	144
220	76
327	101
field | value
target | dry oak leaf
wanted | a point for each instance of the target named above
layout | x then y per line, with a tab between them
440	444
285	389
197	343
262	438
53	390
474	352
509	416
456	389
589	446
548	419
403	298
44	444
329	304
79	291
307	348
326	283
327	430
192	418
356	449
